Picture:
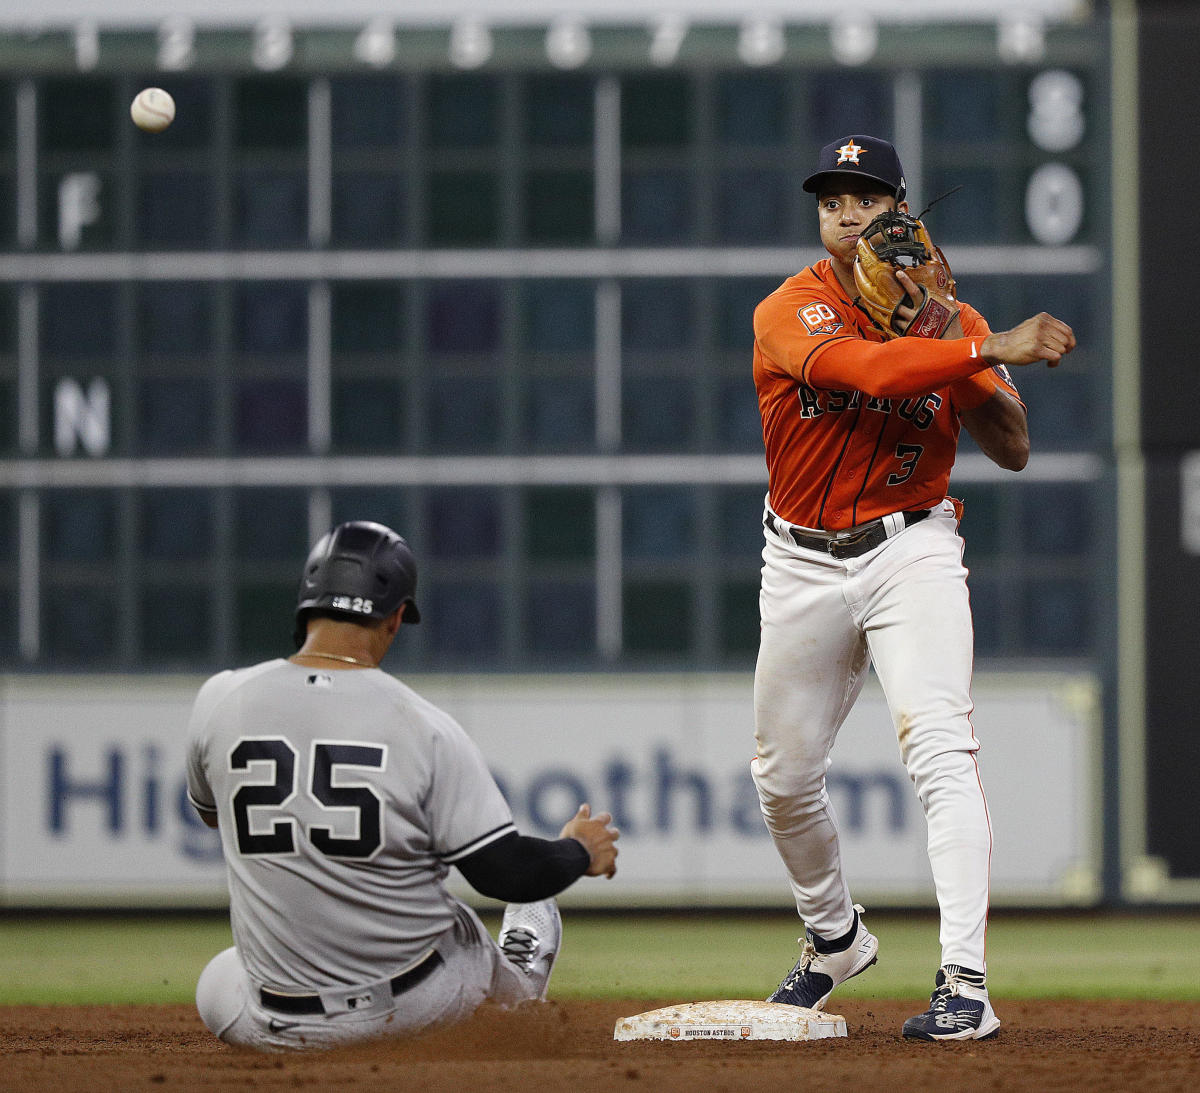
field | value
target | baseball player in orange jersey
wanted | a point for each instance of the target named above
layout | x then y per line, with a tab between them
863	563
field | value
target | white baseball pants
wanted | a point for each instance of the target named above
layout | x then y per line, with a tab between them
903	607
474	971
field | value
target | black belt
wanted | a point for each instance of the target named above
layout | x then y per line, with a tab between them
840	544
311	1003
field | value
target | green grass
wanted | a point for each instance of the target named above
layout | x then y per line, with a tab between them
83	959
106	959
1029	956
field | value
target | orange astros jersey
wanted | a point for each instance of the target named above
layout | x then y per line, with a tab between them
837	458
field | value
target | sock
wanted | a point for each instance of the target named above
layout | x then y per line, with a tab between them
967	975
837	944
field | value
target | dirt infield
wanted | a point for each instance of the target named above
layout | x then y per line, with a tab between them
1043	1046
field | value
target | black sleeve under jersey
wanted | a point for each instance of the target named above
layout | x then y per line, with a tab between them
524	869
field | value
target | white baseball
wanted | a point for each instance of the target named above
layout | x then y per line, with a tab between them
153	110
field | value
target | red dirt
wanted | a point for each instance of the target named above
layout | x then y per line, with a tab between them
1043	1046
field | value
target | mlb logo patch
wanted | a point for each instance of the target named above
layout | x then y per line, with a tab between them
820	318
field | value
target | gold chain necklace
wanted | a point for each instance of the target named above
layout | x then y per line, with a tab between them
338	656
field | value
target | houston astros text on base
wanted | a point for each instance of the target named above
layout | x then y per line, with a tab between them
862	564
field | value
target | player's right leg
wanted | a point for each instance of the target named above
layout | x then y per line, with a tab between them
811	666
824	963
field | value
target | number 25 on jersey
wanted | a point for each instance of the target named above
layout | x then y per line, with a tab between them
275	758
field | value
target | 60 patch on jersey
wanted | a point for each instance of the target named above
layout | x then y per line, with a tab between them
820	318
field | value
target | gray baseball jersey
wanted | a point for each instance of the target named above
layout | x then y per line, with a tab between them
342	798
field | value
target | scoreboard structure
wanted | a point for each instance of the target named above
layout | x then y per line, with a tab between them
485	270
491	282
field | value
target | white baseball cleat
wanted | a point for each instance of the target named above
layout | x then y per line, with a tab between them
530	937
811	981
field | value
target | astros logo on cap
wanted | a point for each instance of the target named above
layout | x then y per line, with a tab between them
849	153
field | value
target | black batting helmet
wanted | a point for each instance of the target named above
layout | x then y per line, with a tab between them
357	571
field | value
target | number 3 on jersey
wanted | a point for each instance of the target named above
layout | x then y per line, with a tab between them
908	455
326	786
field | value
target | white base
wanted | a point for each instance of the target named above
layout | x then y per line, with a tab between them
730	1019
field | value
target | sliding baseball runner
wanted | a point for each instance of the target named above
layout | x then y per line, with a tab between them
343	799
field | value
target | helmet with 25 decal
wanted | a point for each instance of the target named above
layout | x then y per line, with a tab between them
358	571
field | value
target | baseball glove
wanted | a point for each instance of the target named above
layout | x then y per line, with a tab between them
895	240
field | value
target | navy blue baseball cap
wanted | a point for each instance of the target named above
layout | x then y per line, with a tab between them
867	157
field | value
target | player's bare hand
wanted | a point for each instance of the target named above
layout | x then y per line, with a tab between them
599	838
1041	338
905	313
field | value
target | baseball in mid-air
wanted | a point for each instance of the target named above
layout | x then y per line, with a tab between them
152	110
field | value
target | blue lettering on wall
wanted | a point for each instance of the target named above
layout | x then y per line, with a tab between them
549	783
150	788
667	796
130	798
668	778
619	777
62	789
662	790
852	791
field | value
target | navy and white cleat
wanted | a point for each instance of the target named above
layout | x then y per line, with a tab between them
812	980
959	1009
